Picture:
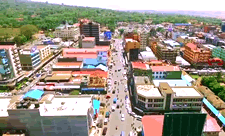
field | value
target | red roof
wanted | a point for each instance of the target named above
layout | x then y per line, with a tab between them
41	47
92	73
211	125
139	65
193	46
89	39
61	72
6	46
153	125
165	68
77	24
81	55
68	64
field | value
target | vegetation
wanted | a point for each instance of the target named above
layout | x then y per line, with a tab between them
75	92
213	83
48	16
20	84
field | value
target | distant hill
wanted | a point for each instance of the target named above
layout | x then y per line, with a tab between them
215	14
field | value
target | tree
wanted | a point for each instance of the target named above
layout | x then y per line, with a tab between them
153	32
121	31
219	76
19	40
28	30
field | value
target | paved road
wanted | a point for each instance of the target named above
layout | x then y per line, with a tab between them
115	117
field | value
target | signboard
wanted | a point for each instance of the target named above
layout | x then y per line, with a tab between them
33	49
108	35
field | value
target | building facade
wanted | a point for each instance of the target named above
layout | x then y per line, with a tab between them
166	53
67	31
219	52
194	54
131	44
44	52
49	116
166	72
143	40
10	65
90	29
88	42
164	98
29	58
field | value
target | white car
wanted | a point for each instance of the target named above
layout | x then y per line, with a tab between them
122	117
113	108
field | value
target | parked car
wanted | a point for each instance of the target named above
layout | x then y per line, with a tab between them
117	106
106	120
104	131
122	117
113	108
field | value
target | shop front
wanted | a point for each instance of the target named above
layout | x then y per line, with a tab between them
93	90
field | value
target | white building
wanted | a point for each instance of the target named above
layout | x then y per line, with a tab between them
143	40
68	31
53	116
44	51
88	42
165	98
10	66
182	62
147	56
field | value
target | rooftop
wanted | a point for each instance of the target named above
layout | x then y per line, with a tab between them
140	65
70	107
81	55
164	68
67	65
165	87
58	77
176	82
91	73
148	91
3	107
6	46
141	80
179	92
211	125
130	40
89	39
153	125
41	47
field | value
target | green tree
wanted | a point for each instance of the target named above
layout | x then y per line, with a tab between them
152	32
121	31
28	30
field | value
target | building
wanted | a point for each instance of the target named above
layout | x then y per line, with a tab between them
29	57
166	72
209	46
166	53
172	44
190	124
90	29
88	42
47	114
147	56
44	52
219	52
10	66
141	69
67	31
182	62
144	40
150	99
131	44
195	54
67	66
223	25
209	29
215	62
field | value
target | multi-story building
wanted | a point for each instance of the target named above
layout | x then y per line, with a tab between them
143	40
164	98
166	53
131	44
29	58
44	51
195	54
88	42
10	66
219	52
47	115
90	29
67	31
166	72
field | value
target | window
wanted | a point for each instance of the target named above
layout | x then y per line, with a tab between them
141	98
141	103
149	105
149	100
156	72
158	105
158	100
160	72
156	76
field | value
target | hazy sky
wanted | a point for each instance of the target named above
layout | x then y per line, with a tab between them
197	5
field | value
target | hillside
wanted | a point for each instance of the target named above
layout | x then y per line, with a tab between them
48	16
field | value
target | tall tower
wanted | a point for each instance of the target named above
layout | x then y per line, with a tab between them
223	25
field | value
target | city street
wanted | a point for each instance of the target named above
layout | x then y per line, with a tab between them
115	117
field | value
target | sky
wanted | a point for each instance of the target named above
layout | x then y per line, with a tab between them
195	5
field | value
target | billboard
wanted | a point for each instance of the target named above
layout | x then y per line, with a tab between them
184	124
108	35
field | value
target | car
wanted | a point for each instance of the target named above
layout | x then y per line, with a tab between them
122	117
118	106
115	82
113	108
106	120
104	131
113	92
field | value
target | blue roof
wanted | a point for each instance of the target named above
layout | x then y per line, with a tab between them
93	62
34	94
89	66
182	24
96	105
214	110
